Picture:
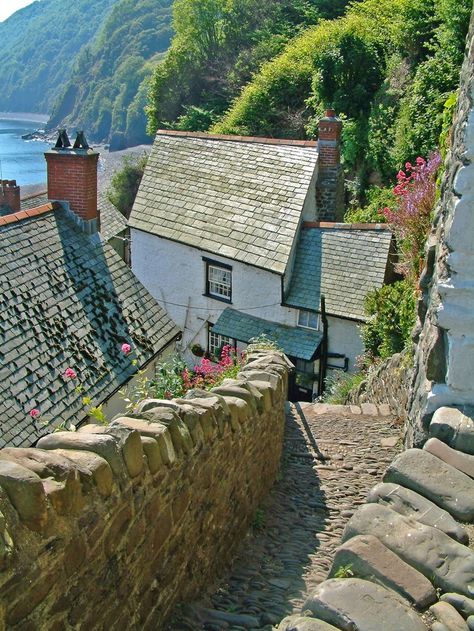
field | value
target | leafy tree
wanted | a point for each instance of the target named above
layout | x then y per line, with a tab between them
125	183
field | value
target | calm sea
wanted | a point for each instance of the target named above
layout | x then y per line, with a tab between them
21	160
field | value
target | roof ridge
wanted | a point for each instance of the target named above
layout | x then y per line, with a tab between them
28	214
33	195
234	138
334	225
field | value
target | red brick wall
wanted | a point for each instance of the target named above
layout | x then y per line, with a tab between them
10	195
73	178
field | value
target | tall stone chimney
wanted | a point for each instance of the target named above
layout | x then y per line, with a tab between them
330	183
10	195
72	178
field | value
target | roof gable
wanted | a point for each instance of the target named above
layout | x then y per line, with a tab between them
341	264
66	300
241	200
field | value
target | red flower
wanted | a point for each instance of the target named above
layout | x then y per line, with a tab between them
35	413
69	373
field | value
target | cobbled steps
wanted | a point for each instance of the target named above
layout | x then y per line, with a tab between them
402	549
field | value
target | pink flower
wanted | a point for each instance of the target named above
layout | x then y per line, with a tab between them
126	349
69	373
35	413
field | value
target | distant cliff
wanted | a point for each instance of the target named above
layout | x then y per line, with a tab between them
38	47
107	91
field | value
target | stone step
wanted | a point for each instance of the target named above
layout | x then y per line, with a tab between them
303	623
366	409
446	563
454	428
366	557
352	603
429	476
457	459
415	506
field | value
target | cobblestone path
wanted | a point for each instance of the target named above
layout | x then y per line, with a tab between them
331	458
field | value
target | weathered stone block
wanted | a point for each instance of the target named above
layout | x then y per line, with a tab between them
457	459
426	474
369	559
116	530
91	467
463	604
303	623
454	428
25	491
415	506
448	616
353	603
131	446
157	431
152	452
182	441
102	444
448	564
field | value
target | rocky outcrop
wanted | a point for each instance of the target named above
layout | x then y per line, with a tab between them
108	527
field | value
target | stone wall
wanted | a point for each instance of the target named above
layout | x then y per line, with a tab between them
109	527
387	384
444	363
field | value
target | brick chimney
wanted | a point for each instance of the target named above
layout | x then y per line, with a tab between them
10	195
330	183
72	178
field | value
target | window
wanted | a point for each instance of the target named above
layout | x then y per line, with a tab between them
308	320
216	342
219	281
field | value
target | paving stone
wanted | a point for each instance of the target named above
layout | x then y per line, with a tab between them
447	563
461	461
448	616
391	441
369	409
369	559
354	604
426	474
303	623
463	604
454	428
414	505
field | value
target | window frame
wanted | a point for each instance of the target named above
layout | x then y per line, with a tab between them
231	341
308	313
211	263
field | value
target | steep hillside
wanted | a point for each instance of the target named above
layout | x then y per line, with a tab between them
389	67
217	48
107	91
38	46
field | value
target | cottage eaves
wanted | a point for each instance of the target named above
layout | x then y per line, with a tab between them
231	197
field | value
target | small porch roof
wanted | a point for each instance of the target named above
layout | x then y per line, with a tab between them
293	341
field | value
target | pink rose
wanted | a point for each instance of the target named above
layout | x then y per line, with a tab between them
35	413
126	349
69	373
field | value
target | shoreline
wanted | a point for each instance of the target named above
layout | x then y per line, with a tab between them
24	116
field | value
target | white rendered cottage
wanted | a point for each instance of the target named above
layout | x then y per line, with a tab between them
226	234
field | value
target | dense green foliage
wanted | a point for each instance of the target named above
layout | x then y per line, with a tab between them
125	183
386	66
391	312
107	91
218	46
38	47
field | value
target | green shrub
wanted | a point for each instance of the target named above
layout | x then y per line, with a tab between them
392	316
339	384
377	199
125	183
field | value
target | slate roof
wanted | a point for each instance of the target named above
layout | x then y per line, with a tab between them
341	264
66	300
239	199
112	222
294	341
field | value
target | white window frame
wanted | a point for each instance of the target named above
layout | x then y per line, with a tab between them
304	319
216	341
218	280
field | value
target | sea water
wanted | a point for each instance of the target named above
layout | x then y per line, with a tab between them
21	160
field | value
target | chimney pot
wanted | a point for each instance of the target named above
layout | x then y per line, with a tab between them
10	195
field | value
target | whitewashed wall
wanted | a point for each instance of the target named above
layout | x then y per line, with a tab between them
175	275
344	337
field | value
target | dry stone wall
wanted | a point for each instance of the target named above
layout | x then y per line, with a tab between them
109	527
387	384
444	363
